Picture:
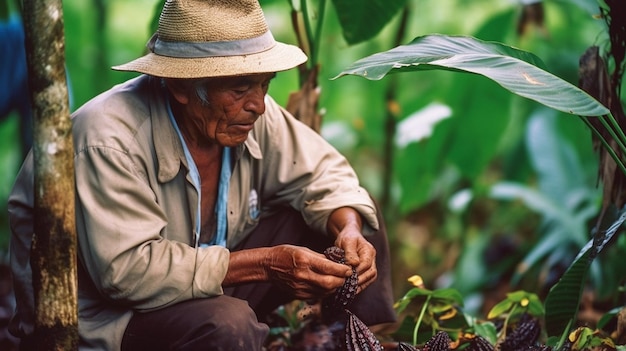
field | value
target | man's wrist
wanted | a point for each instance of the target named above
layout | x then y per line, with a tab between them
344	218
248	266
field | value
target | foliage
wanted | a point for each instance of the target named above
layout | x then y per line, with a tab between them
584	338
9	160
426	313
488	170
437	309
517	71
442	310
512	310
361	23
565	198
561	303
521	73
517	303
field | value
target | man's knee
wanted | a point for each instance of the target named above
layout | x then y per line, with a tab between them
234	317
219	323
233	325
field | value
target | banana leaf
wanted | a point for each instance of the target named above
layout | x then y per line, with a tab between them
518	71
562	301
362	20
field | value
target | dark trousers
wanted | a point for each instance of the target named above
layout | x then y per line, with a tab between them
232	321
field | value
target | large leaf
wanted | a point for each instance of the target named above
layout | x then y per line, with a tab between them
538	202
562	300
563	228
362	20
474	124
563	186
554	158
517	71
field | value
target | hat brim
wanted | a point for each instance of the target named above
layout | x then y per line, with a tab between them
281	57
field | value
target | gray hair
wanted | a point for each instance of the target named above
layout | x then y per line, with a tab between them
197	86
201	90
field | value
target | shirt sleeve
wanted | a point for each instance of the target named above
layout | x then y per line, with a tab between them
119	225
304	170
21	220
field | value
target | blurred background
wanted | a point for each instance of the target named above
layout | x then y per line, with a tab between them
482	190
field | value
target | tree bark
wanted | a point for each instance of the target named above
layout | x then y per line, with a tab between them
53	255
303	104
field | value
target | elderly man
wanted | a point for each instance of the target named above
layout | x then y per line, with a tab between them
202	205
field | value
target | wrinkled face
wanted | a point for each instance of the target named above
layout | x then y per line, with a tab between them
221	110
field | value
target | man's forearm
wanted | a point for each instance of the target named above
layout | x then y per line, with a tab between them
246	266
342	218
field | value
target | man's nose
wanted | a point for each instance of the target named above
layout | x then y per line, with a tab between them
256	101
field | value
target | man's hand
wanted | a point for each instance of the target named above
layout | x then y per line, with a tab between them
345	224
306	273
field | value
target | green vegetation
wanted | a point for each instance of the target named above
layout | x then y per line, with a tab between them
486	191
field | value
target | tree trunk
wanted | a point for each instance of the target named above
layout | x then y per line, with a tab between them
53	257
303	104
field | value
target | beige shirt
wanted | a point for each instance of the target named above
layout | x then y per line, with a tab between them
136	205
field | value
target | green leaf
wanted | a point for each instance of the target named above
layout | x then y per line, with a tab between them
535	307
584	339
487	330
517	296
417	292
408	297
518	71
448	295
439	307
558	165
537	202
474	123
606	318
500	308
562	301
516	299
362	20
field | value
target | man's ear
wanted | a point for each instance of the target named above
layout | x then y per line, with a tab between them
178	89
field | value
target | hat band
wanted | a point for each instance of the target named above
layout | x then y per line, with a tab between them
211	48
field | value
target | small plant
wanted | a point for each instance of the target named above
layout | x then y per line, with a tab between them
438	309
516	305
515	323
585	338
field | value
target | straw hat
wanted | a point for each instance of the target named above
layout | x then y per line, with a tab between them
213	38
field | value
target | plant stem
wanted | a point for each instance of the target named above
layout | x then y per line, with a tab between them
308	31
506	322
316	41
620	142
419	319
391	122
606	145
616	126
563	337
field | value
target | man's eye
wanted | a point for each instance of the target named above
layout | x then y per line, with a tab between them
241	89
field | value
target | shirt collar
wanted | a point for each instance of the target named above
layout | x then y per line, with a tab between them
168	148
